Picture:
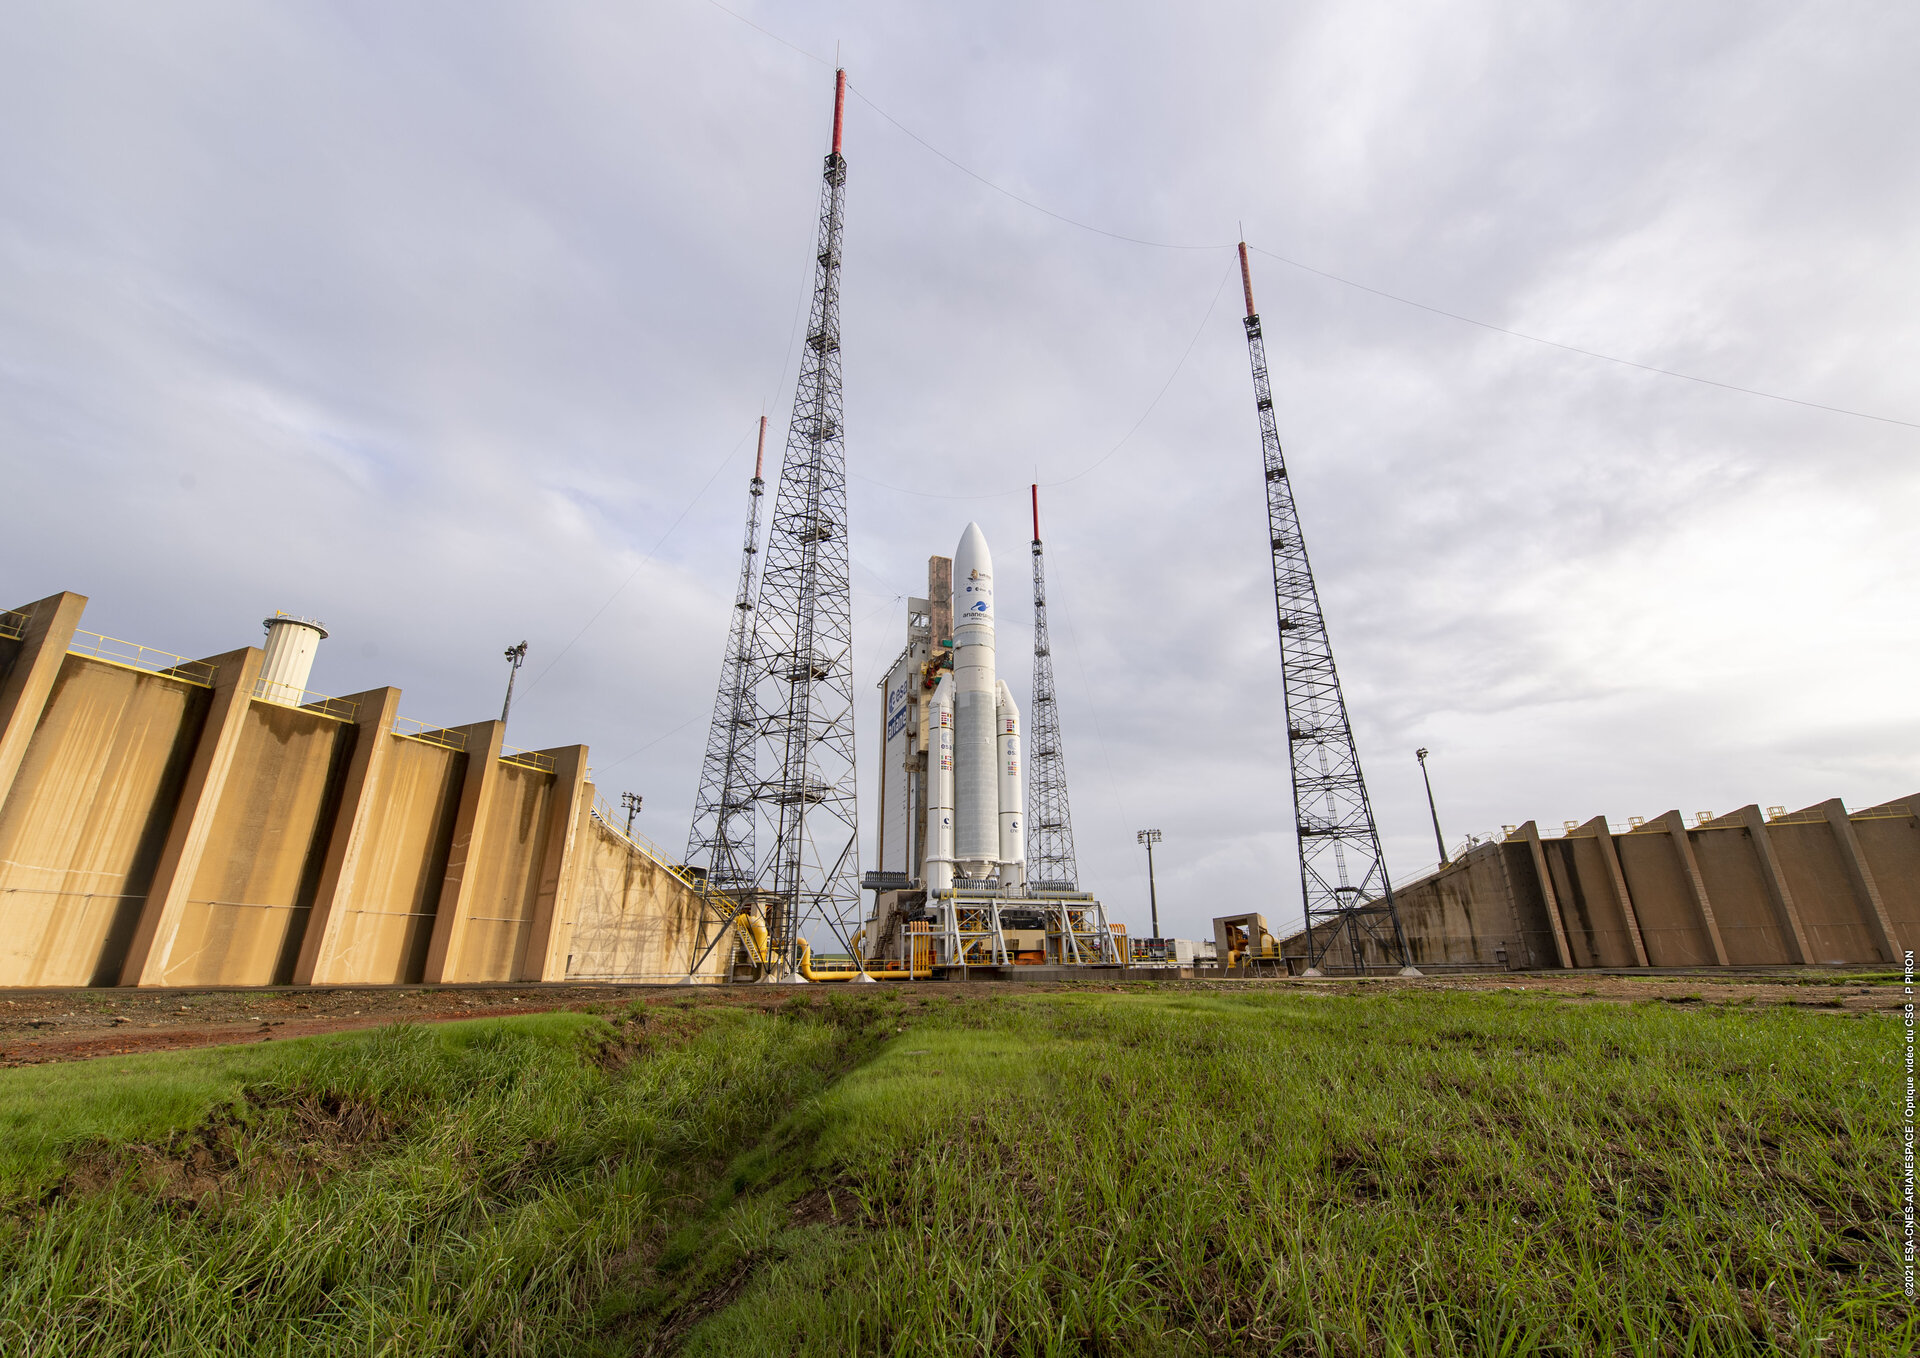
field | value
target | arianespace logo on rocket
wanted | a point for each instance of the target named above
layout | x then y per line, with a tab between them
976	599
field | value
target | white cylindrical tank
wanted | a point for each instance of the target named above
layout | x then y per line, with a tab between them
939	861
1013	797
976	797
291	645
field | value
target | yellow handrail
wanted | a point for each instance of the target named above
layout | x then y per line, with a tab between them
640	844
286	695
756	935
442	736
527	759
133	656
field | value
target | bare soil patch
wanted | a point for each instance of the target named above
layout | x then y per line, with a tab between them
39	1026
225	1154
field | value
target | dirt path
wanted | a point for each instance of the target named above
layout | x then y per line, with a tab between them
38	1026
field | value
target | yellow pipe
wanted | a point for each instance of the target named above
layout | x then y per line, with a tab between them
806	967
910	971
757	936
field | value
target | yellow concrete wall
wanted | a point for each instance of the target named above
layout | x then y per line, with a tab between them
1736	885
1478	906
386	922
1596	929
82	828
1457	915
1670	922
1529	908
1812	861
1448	918
1891	846
511	844
632	919
247	907
145	842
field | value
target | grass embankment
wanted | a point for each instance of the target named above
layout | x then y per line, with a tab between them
466	1188
1156	1172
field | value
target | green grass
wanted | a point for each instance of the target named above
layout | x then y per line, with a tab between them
465	1188
1426	1174
1164	1171
121	1099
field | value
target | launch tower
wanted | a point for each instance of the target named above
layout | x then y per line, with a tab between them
1050	861
721	837
1343	875
804	627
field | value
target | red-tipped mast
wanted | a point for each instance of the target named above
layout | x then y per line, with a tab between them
1036	513
839	105
760	452
1246	279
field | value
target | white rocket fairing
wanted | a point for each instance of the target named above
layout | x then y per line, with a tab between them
988	805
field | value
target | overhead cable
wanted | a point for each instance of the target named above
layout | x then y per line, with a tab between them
1321	273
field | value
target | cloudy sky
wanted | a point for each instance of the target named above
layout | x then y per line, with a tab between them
450	324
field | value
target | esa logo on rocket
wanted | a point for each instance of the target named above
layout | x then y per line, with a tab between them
976	597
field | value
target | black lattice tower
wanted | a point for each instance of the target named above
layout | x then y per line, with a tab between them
805	627
1343	874
1050	862
721	837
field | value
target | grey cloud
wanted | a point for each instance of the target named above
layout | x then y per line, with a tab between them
433	320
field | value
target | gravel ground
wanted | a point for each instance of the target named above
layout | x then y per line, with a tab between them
71	1025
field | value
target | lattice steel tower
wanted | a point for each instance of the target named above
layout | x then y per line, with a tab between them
1050	862
805	627
1343	875
721	837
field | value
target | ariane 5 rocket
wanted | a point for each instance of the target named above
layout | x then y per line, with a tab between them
976	806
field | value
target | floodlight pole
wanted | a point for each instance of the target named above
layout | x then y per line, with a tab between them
1432	810
1151	838
516	657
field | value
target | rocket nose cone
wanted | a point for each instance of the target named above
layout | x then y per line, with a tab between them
972	551
972	580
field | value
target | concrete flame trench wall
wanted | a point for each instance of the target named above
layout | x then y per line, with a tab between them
160	830
1821	886
82	828
633	920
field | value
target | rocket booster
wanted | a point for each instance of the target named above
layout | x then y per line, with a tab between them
940	794
1013	791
